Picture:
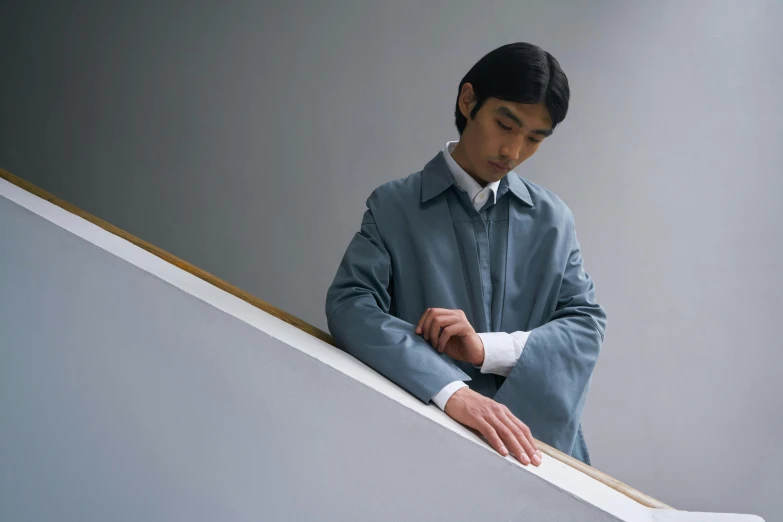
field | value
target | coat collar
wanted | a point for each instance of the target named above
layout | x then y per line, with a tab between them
436	178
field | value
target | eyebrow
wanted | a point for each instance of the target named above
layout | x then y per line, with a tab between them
505	111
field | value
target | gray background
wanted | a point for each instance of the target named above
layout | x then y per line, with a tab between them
246	138
158	406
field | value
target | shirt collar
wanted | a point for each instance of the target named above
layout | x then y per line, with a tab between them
464	180
437	177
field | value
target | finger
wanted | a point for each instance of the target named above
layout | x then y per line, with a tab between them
448	333
443	319
526	429
426	325
508	434
524	437
421	320
436	323
492	437
536	455
445	335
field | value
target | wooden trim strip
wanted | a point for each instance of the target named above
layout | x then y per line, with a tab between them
605	479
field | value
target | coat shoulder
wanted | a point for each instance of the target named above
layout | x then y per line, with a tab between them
396	195
547	203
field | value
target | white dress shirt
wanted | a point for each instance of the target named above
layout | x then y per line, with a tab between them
501	349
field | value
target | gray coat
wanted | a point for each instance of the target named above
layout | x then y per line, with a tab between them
421	245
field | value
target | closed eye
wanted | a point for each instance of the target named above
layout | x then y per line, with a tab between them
505	127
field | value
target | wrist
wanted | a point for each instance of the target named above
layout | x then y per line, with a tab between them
480	353
456	397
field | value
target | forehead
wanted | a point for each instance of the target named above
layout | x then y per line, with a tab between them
531	114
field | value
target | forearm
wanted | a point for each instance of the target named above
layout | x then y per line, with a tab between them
390	346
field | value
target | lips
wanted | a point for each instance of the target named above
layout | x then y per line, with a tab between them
498	166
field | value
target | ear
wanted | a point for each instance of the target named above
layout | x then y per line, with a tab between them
467	100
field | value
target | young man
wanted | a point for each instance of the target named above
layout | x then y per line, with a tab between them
465	283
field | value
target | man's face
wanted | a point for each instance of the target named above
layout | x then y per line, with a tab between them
503	135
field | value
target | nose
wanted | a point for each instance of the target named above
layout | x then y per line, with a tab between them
510	150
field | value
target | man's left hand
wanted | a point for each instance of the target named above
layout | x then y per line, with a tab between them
449	332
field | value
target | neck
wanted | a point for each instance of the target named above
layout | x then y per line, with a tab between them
459	156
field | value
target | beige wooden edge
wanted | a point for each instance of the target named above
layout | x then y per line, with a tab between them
626	490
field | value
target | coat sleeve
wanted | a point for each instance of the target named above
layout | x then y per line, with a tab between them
357	312
548	385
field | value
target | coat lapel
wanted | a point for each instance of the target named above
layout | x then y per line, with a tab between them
519	222
437	228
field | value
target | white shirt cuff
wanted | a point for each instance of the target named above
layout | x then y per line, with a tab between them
502	351
442	397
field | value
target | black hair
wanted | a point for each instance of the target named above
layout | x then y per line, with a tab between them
518	72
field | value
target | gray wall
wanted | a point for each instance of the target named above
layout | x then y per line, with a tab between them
245	139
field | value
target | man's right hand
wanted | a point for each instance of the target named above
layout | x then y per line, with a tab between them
496	422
